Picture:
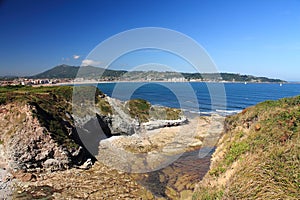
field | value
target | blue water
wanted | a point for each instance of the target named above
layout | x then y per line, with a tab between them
201	97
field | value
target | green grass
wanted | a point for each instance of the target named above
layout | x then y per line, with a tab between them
164	113
144	111
104	106
139	108
51	105
235	151
208	194
217	171
264	143
26	93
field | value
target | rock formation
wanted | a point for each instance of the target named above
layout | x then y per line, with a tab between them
40	130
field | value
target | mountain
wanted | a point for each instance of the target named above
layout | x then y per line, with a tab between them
66	71
228	77
90	72
61	71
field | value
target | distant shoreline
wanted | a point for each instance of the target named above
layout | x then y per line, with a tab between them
99	82
160	81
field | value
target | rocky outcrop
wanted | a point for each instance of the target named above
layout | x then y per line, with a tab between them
121	122
98	182
6	184
150	150
40	135
26	144
164	123
37	137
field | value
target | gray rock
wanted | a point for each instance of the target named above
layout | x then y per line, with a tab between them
6	184
164	123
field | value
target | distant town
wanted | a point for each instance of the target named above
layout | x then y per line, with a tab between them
34	82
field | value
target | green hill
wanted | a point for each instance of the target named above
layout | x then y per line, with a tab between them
258	156
61	71
228	77
66	71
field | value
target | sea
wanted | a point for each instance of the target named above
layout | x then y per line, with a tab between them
200	97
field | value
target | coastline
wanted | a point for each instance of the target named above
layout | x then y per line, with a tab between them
154	149
174	180
100	82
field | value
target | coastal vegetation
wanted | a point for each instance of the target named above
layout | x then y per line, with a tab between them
258	155
145	112
39	134
51	105
139	108
55	107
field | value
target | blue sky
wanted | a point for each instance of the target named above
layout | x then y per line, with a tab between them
259	37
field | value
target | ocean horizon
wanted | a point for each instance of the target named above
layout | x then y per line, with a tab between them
200	97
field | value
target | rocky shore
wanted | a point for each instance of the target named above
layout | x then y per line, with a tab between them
105	180
155	149
43	154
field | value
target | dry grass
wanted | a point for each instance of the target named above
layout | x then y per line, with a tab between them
259	155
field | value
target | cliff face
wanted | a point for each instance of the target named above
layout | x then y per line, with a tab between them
258	155
38	129
26	144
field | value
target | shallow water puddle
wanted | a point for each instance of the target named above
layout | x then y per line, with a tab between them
179	178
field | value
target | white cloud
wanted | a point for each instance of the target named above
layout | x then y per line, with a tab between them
90	62
76	57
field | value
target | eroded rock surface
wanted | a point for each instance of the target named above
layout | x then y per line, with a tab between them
152	150
99	182
40	146
26	144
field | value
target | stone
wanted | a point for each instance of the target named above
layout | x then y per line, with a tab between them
196	144
171	193
186	195
28	177
257	127
88	164
164	123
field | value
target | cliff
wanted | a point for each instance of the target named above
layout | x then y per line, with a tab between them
258	155
38	129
